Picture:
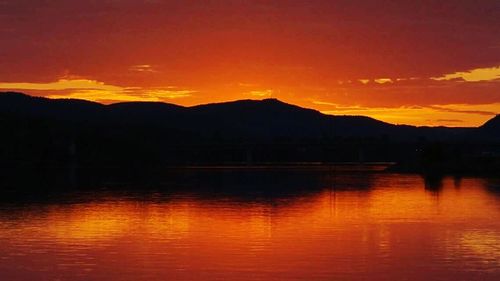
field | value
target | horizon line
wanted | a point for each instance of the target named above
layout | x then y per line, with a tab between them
238	100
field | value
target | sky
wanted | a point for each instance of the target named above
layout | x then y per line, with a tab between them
405	62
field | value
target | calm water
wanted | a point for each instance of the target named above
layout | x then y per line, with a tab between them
259	226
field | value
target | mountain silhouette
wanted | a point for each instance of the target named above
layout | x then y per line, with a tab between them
492	127
269	118
41	132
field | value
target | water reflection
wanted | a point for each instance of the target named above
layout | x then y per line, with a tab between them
252	227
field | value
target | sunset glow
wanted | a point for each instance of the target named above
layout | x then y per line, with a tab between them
437	64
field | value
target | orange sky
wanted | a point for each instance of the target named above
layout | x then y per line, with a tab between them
425	63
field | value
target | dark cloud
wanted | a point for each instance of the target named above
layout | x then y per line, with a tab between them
479	112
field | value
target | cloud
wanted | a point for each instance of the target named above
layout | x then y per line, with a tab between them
169	93
383	80
379	80
261	93
474	75
148	95
143	68
246	85
62	84
448	114
340	108
99	96
99	91
489	109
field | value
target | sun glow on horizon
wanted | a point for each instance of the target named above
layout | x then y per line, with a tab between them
387	58
439	114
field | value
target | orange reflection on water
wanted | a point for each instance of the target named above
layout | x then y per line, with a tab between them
394	230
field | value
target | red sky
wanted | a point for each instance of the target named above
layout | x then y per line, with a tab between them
413	62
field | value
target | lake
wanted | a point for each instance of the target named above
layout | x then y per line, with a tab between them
256	225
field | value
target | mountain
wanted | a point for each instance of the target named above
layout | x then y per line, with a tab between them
41	132
492	126
271	118
265	119
12	103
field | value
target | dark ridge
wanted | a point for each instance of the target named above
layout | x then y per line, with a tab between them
268	118
490	130
44	133
492	124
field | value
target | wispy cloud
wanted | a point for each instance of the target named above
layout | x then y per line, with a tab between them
99	91
143	68
383	80
474	75
261	93
489	109
340	108
366	81
150	95
448	114
247	85
62	84
169	93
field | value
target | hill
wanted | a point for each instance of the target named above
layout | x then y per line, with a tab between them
492	127
40	132
253	119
